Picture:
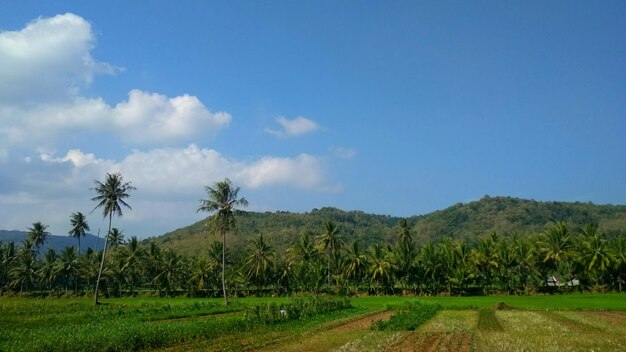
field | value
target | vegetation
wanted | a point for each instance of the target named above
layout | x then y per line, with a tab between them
409	317
557	260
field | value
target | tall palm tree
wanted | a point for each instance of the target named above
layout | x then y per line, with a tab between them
110	197
222	202
79	227
38	235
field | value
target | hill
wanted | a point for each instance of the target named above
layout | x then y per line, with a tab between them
504	215
58	243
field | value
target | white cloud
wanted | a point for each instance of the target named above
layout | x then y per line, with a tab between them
182	171
48	59
43	68
289	128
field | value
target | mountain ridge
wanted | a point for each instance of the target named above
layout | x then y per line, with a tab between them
501	214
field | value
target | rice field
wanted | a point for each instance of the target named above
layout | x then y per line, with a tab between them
570	323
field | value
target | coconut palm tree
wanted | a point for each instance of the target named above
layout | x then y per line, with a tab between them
355	263
594	253
380	267
405	235
133	255
556	246
48	272
110	197
79	227
222	202
38	235
116	238
259	262
330	241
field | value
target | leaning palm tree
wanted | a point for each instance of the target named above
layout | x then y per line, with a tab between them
222	202
38	235
110	198
79	227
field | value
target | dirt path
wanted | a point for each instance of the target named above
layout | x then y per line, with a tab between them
364	323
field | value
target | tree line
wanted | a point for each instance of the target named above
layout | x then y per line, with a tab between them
560	258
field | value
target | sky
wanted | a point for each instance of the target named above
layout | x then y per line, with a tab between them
399	108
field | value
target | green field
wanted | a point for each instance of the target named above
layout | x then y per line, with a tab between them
526	323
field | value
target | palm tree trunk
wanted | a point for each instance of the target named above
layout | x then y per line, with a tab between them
104	251
224	266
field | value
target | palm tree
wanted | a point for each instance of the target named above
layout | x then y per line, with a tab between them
110	197
48	272
405	235
259	261
356	263
68	265
556	246
116	238
380	267
38	235
201	273
594	253
132	254
330	241
79	227
222	202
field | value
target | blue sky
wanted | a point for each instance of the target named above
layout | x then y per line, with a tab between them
397	108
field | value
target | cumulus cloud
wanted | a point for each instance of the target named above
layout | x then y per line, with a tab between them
183	171
43	68
295	127
48	59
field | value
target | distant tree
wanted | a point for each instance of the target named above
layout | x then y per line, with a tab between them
132	255
222	202
330	243
69	267
38	235
259	261
79	227
403	229
47	272
115	238
110	197
355	263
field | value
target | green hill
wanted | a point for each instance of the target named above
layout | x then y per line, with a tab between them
504	215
